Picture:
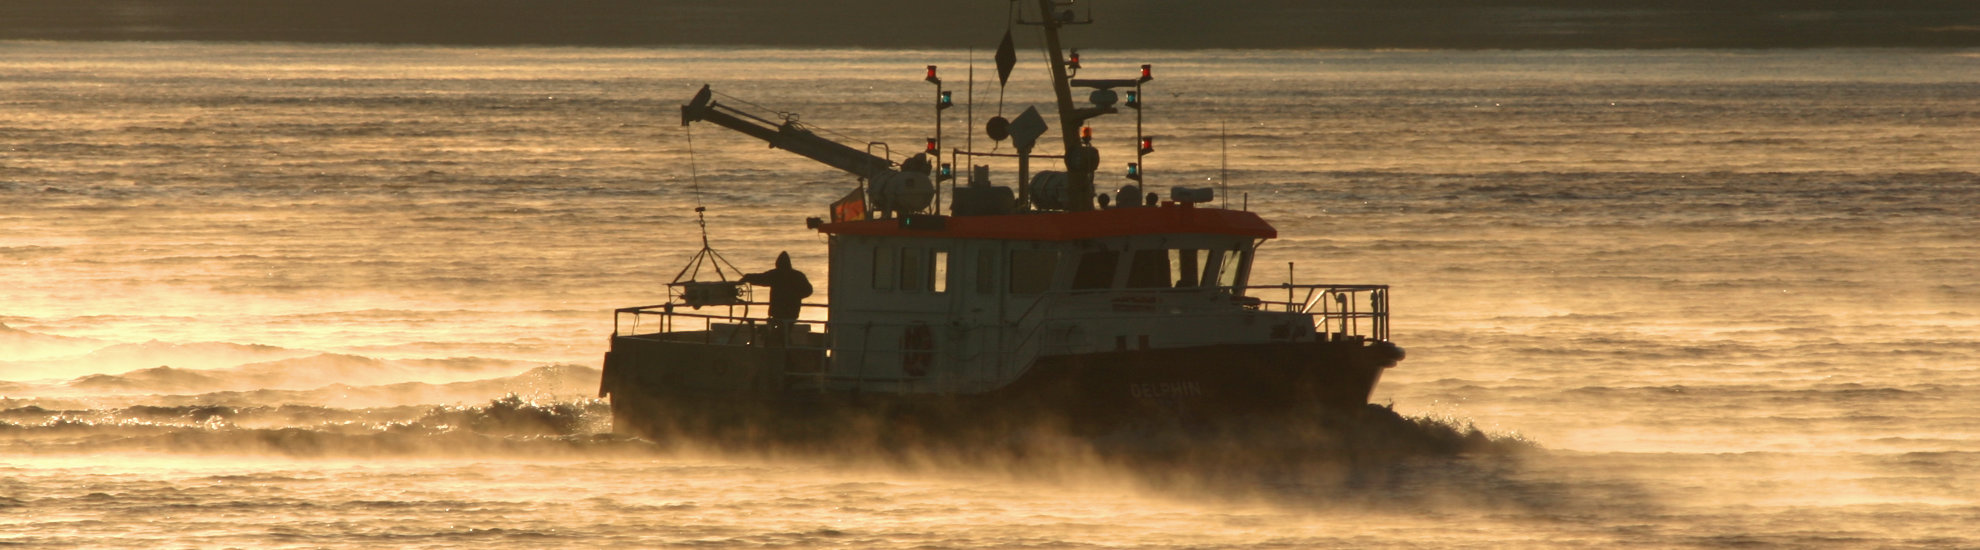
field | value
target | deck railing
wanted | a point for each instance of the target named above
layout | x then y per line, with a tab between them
1337	310
718	321
1353	310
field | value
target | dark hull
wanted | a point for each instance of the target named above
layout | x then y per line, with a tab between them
743	395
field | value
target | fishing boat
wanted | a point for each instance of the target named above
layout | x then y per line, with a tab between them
1022	301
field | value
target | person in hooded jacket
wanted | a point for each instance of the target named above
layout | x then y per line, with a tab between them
788	289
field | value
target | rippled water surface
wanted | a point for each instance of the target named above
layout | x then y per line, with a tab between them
279	295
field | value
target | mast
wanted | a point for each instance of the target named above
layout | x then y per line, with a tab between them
1079	176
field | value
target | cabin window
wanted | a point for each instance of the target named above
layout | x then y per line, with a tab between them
883	268
1227	273
1150	269
1183	266
939	282
986	271
1031	270
1096	270
914	269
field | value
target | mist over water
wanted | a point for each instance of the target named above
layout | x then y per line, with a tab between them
262	295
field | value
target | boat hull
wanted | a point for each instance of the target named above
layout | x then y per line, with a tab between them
761	395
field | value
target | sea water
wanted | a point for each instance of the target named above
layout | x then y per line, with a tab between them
318	295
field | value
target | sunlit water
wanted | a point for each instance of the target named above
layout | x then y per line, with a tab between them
266	295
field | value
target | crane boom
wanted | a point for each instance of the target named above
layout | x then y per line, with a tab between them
891	190
788	136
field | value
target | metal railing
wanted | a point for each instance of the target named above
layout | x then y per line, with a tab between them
1340	308
676	317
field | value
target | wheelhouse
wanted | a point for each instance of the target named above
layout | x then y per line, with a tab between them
962	304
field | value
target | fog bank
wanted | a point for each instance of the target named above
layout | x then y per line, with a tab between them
1455	24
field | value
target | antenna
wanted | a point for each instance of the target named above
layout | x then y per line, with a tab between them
1224	162
969	111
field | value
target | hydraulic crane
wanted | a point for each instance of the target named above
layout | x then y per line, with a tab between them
891	189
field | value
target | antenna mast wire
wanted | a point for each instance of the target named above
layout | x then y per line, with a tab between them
1224	162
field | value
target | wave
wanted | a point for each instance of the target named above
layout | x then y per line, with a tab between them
151	379
168	387
506	426
323	369
97	358
20	345
286	374
191	355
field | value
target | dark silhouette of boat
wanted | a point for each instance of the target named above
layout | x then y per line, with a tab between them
1038	303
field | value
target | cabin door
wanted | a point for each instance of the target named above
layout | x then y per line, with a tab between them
974	316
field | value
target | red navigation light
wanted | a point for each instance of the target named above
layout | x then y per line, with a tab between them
1145	75
1147	145
1086	133
1073	61
931	75
931	146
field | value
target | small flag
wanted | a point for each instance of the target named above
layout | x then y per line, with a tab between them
849	209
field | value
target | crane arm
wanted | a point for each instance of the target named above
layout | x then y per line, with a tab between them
787	136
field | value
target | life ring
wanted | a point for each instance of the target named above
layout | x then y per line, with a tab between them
917	349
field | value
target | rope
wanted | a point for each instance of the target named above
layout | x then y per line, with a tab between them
693	269
786	115
694	178
694	174
969	112
1010	24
